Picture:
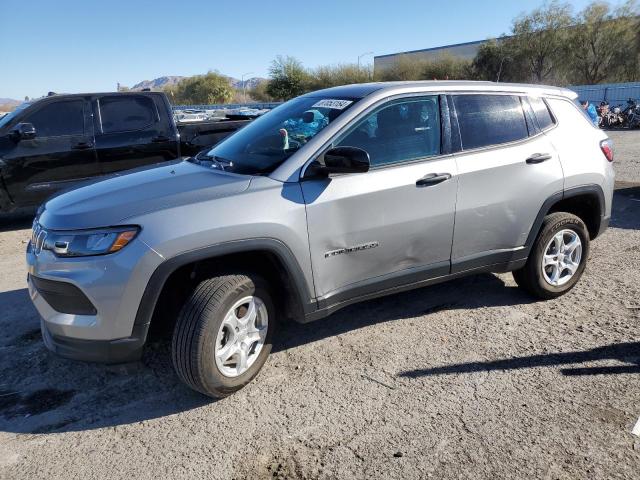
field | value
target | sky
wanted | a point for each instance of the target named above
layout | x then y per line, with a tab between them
87	45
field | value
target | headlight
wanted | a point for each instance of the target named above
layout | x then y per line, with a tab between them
82	243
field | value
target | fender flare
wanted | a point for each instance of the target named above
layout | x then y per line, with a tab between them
276	247
555	198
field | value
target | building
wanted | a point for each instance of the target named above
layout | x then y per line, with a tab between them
466	51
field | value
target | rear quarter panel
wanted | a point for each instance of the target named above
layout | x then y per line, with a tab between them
577	142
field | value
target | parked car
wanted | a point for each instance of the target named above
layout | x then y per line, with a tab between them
336	197
61	141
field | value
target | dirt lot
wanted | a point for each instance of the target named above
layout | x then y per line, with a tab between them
470	379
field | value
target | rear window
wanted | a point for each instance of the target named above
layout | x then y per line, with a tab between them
542	113
486	120
125	114
59	119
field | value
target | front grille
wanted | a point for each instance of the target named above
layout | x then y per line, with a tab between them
63	297
38	236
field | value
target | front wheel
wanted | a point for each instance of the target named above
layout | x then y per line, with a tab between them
223	334
558	257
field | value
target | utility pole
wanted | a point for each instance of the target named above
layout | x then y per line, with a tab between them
363	55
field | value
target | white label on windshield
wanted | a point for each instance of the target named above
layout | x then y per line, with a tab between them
335	104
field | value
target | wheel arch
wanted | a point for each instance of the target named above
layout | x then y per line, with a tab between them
268	257
586	202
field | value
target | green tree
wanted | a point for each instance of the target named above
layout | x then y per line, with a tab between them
288	78
343	74
259	93
403	68
497	63
202	89
540	41
604	43
447	67
444	67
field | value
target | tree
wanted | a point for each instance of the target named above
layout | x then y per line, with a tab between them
259	92
602	42
343	74
447	67
497	63
540	40
288	78
202	89
404	68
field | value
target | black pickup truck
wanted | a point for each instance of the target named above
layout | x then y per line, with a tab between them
60	141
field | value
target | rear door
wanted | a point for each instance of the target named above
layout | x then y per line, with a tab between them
60	155
392	225
507	169
132	130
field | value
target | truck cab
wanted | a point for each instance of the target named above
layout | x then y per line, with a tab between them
60	141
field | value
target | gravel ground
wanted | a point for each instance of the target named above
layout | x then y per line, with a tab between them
469	379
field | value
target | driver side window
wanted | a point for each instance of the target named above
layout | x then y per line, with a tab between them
400	131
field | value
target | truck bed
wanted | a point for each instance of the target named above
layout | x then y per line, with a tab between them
196	136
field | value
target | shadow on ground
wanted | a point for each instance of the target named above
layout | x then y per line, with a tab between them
628	353
41	393
626	208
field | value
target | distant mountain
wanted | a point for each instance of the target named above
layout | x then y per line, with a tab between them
158	83
8	104
250	83
169	81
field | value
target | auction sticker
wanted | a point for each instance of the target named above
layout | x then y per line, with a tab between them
335	104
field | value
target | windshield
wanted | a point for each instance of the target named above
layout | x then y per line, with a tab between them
11	115
265	143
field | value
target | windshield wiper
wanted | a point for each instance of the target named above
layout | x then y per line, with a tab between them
216	161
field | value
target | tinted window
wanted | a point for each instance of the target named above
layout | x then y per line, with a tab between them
124	114
59	119
398	132
532	123
543	116
489	119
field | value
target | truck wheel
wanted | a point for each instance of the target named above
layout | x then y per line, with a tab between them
558	257
223	334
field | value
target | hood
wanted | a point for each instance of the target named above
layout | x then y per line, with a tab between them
114	200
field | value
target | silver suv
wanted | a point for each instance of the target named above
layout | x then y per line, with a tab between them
335	197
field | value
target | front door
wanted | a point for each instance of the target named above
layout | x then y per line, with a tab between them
393	224
60	156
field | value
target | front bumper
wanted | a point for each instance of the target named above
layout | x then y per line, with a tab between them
112	285
103	351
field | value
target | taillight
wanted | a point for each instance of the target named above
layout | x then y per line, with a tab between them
607	148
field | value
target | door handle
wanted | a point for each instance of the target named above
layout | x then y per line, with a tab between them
82	146
432	179
538	158
160	138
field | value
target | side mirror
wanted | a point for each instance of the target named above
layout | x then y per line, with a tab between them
24	131
341	160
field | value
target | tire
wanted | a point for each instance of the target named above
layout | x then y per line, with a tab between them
534	278
196	334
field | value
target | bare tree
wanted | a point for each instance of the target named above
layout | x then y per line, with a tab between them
602	42
540	40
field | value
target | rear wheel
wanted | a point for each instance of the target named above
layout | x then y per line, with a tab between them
558	257
223	334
